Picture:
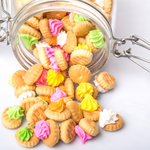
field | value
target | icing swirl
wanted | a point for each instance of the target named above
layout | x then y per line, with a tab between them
42	79
79	18
58	95
26	95
97	38
25	134
54	78
29	39
84	88
83	46
57	106
62	38
82	134
41	44
89	103
54	64
107	117
42	130
15	112
55	26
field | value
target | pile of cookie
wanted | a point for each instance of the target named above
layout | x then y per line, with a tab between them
46	91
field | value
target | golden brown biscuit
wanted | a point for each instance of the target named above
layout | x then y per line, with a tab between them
81	40
76	112
67	99
18	79
39	16
72	18
81	56
52	41
33	74
61	60
33	141
26	29
69	88
71	42
34	22
67	131
36	113
82	28
55	14
10	123
79	74
36	54
53	137
44	28
45	90
89	126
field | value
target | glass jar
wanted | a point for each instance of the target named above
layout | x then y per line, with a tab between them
24	9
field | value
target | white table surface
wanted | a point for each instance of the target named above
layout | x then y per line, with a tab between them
130	98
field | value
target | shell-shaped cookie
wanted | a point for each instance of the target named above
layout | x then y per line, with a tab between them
81	56
33	141
45	90
64	73
82	28
67	130
76	112
17	79
67	99
34	22
39	16
10	123
108	6
90	44
56	14
79	74
81	40
36	54
57	116
28	103
24	88
89	126
33	74
61	60
106	80
72	18
36	113
53	137
26	29
43	58
71	42
44	28
69	88
68	26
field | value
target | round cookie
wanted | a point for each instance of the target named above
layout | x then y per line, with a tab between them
67	131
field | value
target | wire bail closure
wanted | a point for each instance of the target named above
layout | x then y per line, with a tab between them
127	53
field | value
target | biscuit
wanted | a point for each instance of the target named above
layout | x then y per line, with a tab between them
89	126
67	130
72	18
34	22
57	116
81	56
45	98
36	53
71	42
33	74
108	6
36	113
67	99
44	28
64	73
17	79
61	60
76	112
39	16
53	137
82	28
55	14
69	88
24	88
81	40
62	87
52	41
10	123
45	90
26	29
33	141
28	103
79	74
43	58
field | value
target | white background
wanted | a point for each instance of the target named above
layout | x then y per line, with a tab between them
130	98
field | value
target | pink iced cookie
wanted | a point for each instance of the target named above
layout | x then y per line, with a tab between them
54	64
59	94
55	26
82	134
42	79
42	129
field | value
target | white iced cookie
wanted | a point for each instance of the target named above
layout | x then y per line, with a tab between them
62	38
41	44
107	117
26	95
